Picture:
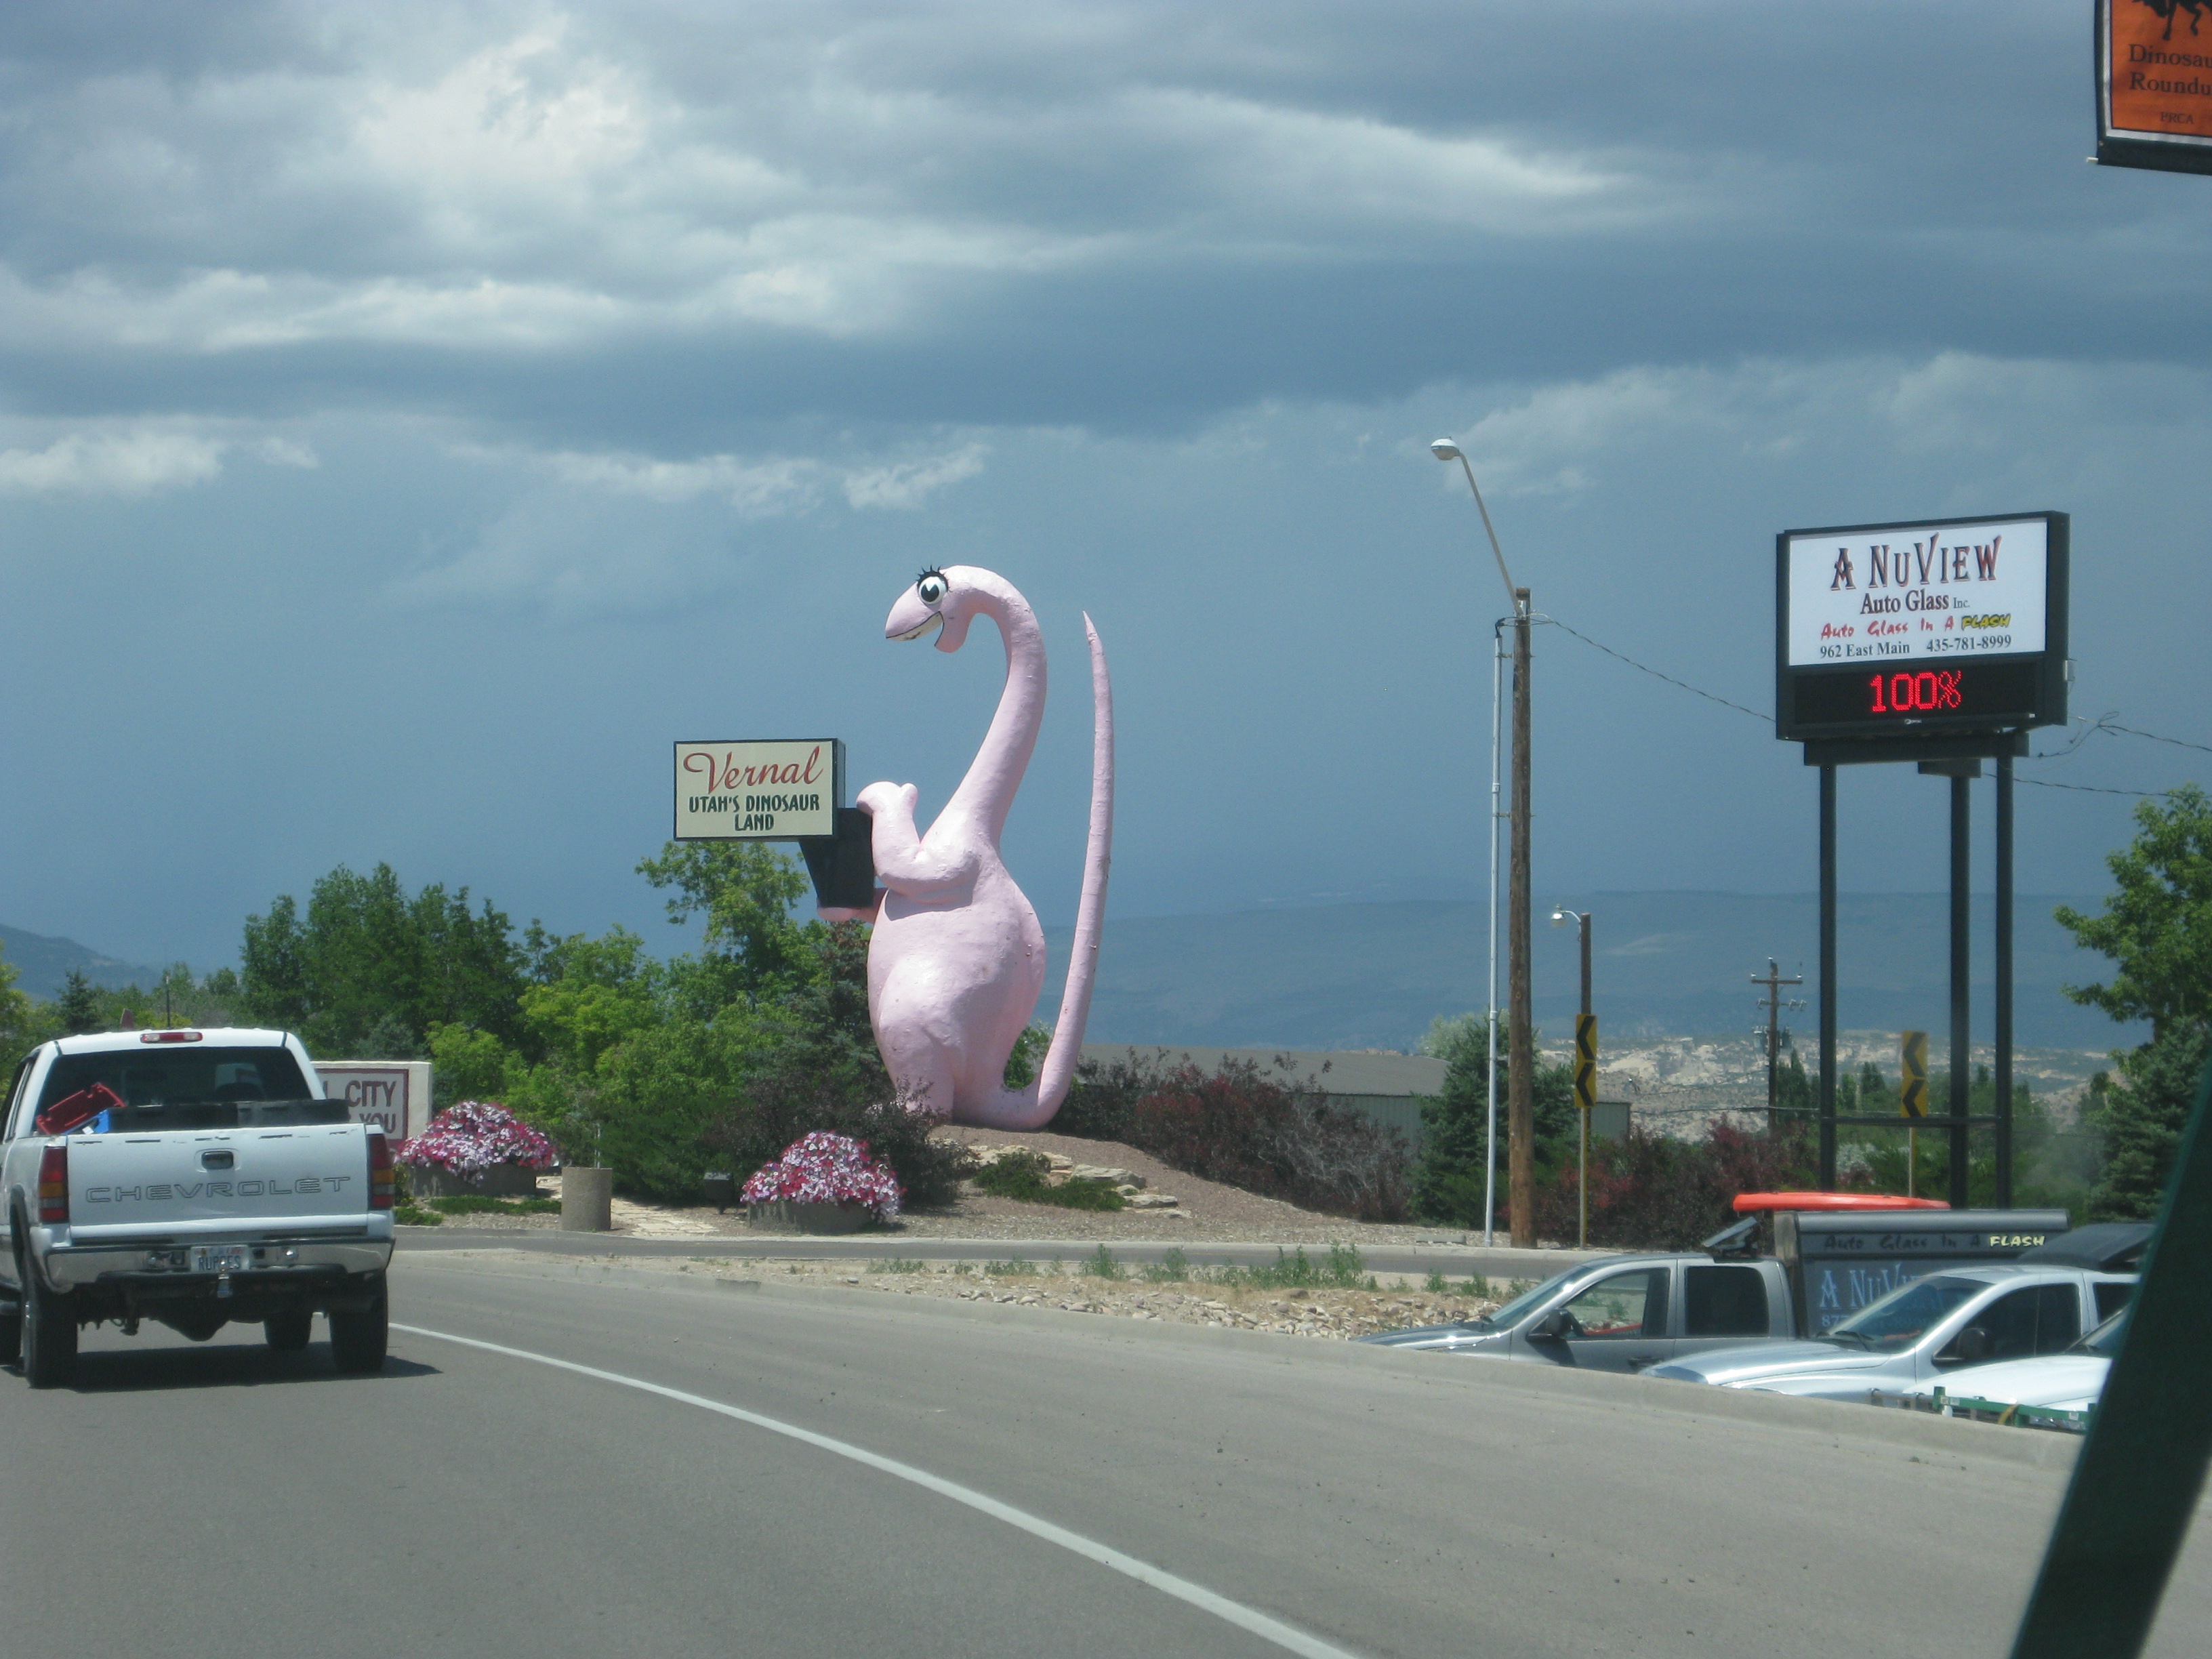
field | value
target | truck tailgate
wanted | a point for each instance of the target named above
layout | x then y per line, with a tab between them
242	1183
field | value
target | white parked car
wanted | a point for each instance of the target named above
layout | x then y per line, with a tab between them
2069	1381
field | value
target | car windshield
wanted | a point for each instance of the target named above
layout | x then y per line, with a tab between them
1526	1300
1905	1316
2105	1340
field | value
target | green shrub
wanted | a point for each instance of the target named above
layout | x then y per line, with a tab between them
1021	1176
477	1203
1264	1129
408	1216
899	1265
1014	1268
1101	1264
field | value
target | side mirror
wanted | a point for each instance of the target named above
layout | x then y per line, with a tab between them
1970	1346
1550	1327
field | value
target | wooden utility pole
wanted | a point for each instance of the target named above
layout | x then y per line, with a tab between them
1774	1005
1520	1046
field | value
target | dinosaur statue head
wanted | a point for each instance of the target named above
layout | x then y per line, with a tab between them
941	599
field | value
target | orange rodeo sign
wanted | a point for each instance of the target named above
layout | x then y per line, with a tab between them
2154	84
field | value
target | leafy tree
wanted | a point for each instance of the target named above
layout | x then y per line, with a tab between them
366	958
24	1023
744	890
78	1005
2157	927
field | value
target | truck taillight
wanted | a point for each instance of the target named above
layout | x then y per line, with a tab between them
380	1191
54	1184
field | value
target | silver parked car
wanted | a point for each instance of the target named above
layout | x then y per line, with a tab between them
1623	1312
1960	1318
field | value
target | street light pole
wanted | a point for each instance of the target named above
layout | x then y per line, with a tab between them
1490	1005
1445	450
1520	1032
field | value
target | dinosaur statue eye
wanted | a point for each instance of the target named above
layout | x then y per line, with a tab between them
931	588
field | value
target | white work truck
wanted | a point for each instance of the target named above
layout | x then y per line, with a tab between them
193	1178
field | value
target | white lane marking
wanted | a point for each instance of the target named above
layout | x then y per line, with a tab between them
1287	1636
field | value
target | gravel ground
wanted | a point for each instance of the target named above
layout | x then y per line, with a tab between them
1206	1211
1329	1311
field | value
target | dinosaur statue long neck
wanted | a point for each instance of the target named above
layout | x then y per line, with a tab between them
987	793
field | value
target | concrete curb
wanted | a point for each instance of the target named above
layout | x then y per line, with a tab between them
1461	1259
1691	1403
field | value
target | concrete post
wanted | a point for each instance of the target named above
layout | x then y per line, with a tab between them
586	1200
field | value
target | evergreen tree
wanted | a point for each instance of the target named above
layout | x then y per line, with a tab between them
1454	1126
78	1004
2142	1121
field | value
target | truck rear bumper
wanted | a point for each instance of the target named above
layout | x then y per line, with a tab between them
159	1272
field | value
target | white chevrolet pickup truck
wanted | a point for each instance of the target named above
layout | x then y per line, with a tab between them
192	1178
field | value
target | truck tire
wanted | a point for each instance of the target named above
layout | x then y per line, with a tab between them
288	1333
49	1336
11	1333
358	1339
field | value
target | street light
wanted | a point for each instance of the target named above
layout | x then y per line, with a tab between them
1559	918
1520	1080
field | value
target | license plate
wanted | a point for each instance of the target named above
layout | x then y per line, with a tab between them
221	1258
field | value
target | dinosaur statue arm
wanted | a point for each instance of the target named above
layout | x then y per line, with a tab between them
905	863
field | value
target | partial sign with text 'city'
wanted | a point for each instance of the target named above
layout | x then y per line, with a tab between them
1924	627
774	789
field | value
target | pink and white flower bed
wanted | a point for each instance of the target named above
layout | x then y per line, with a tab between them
469	1140
822	1168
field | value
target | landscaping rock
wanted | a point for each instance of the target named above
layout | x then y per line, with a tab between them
1107	1173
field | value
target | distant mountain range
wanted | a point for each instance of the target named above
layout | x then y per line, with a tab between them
1374	976
1663	965
41	963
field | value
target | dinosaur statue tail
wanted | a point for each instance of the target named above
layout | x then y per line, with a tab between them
1031	1107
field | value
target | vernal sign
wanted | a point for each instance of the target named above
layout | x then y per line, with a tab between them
774	789
1940	625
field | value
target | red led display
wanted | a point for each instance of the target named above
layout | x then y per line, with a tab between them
1969	694
1901	694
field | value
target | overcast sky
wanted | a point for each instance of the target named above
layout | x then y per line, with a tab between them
414	417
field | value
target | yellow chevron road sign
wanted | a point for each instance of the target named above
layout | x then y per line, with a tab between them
1913	1086
1585	1060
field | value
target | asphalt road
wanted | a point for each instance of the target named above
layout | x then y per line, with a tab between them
218	1500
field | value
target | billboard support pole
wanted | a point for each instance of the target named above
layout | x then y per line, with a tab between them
2004	966
1961	854
1828	979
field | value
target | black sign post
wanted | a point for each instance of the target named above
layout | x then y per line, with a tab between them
1941	642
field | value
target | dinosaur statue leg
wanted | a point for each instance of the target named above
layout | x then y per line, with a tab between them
921	1054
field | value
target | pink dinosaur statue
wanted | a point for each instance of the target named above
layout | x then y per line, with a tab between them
957	957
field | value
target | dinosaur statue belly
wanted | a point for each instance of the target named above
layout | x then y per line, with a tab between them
952	982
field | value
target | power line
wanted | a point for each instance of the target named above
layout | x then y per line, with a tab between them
2108	724
2092	789
2104	723
1654	672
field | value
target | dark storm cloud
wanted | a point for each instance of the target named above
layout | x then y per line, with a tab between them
648	226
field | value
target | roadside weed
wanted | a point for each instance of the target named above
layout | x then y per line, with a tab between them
899	1265
1015	1267
1172	1268
1101	1264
